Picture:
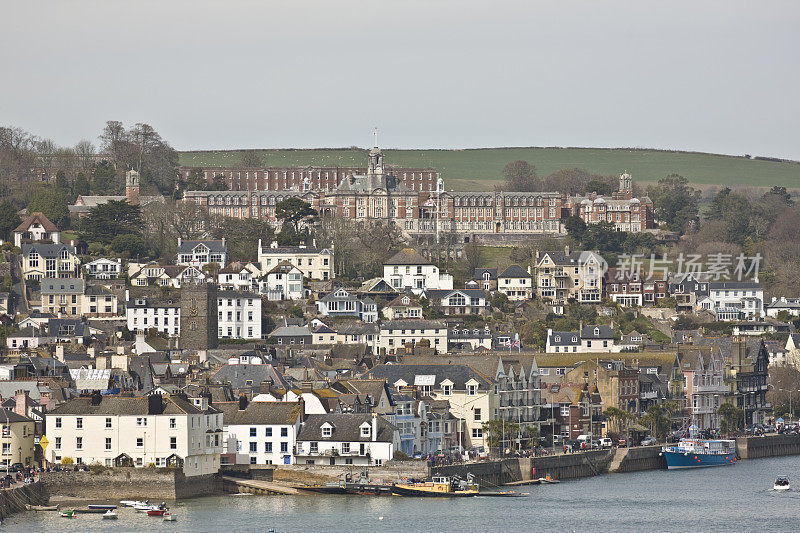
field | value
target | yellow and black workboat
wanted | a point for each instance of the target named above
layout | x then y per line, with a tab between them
437	487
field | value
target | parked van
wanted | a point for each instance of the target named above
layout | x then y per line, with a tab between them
605	442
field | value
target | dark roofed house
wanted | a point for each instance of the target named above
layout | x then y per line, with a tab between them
486	277
458	301
516	283
199	253
36	228
346	439
248	378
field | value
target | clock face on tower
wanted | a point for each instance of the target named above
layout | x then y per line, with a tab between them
193	311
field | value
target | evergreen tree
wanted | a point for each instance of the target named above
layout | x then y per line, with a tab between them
9	219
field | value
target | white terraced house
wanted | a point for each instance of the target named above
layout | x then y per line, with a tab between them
314	263
261	433
137	432
408	270
238	315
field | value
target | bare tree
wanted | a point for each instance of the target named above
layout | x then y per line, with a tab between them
85	151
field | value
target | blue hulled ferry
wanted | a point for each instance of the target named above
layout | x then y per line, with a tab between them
694	452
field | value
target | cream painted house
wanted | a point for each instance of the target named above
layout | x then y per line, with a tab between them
315	263
150	430
516	283
17	439
561	276
41	260
395	334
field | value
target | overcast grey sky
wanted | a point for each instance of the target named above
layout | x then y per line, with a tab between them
709	76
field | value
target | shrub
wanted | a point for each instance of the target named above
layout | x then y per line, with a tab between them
66	461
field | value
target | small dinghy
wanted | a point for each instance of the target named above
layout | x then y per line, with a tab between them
41	507
110	515
101	506
169	517
781	483
68	513
156	512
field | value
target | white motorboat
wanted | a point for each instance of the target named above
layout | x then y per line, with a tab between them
169	517
110	515
129	503
781	483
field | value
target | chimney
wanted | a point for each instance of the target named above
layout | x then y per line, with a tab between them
60	352
91	351
21	399
374	427
307	386
155	404
96	397
179	242
266	387
273	244
566	249
242	402
44	401
302	404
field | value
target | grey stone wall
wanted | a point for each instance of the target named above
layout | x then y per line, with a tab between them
130	483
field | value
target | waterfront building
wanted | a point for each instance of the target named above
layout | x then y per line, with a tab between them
346	439
260	433
471	395
701	369
17	439
158	430
617	384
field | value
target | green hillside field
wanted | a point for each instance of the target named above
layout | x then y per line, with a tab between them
481	169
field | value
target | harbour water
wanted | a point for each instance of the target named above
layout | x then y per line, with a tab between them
731	498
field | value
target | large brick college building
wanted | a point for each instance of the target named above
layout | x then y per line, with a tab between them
414	199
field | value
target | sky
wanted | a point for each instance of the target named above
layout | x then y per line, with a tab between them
712	76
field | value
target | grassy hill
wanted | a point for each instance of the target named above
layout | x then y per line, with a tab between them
481	169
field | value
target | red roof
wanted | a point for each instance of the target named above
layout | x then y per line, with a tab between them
36	217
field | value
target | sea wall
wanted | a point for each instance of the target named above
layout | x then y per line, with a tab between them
14	500
767	446
489	473
640	459
390	470
130	483
573	465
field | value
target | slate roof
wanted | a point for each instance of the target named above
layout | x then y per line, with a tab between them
294	250
283	267
407	256
12	417
259	413
119	405
398	302
36	217
238	375
61	285
604	332
346	428
52	251
214	246
291	331
440	294
514	271
565	338
391	325
734	285
478	274
571	259
57	327
458	374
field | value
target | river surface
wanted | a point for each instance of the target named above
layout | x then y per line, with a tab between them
731	498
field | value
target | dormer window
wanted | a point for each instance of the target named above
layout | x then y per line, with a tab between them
558	338
365	431
597	331
327	430
574	338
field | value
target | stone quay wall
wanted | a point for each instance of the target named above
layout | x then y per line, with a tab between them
644	458
14	500
767	446
489	474
130	483
390	470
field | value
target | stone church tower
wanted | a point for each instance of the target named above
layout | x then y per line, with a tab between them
199	315
132	187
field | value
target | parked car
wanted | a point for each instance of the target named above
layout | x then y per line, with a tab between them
17	467
622	443
482	452
648	441
605	442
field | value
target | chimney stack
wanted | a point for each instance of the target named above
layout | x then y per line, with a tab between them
243	402
374	427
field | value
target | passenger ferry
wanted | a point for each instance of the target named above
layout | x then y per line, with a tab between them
439	486
694	452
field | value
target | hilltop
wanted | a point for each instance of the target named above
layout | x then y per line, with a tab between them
481	169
